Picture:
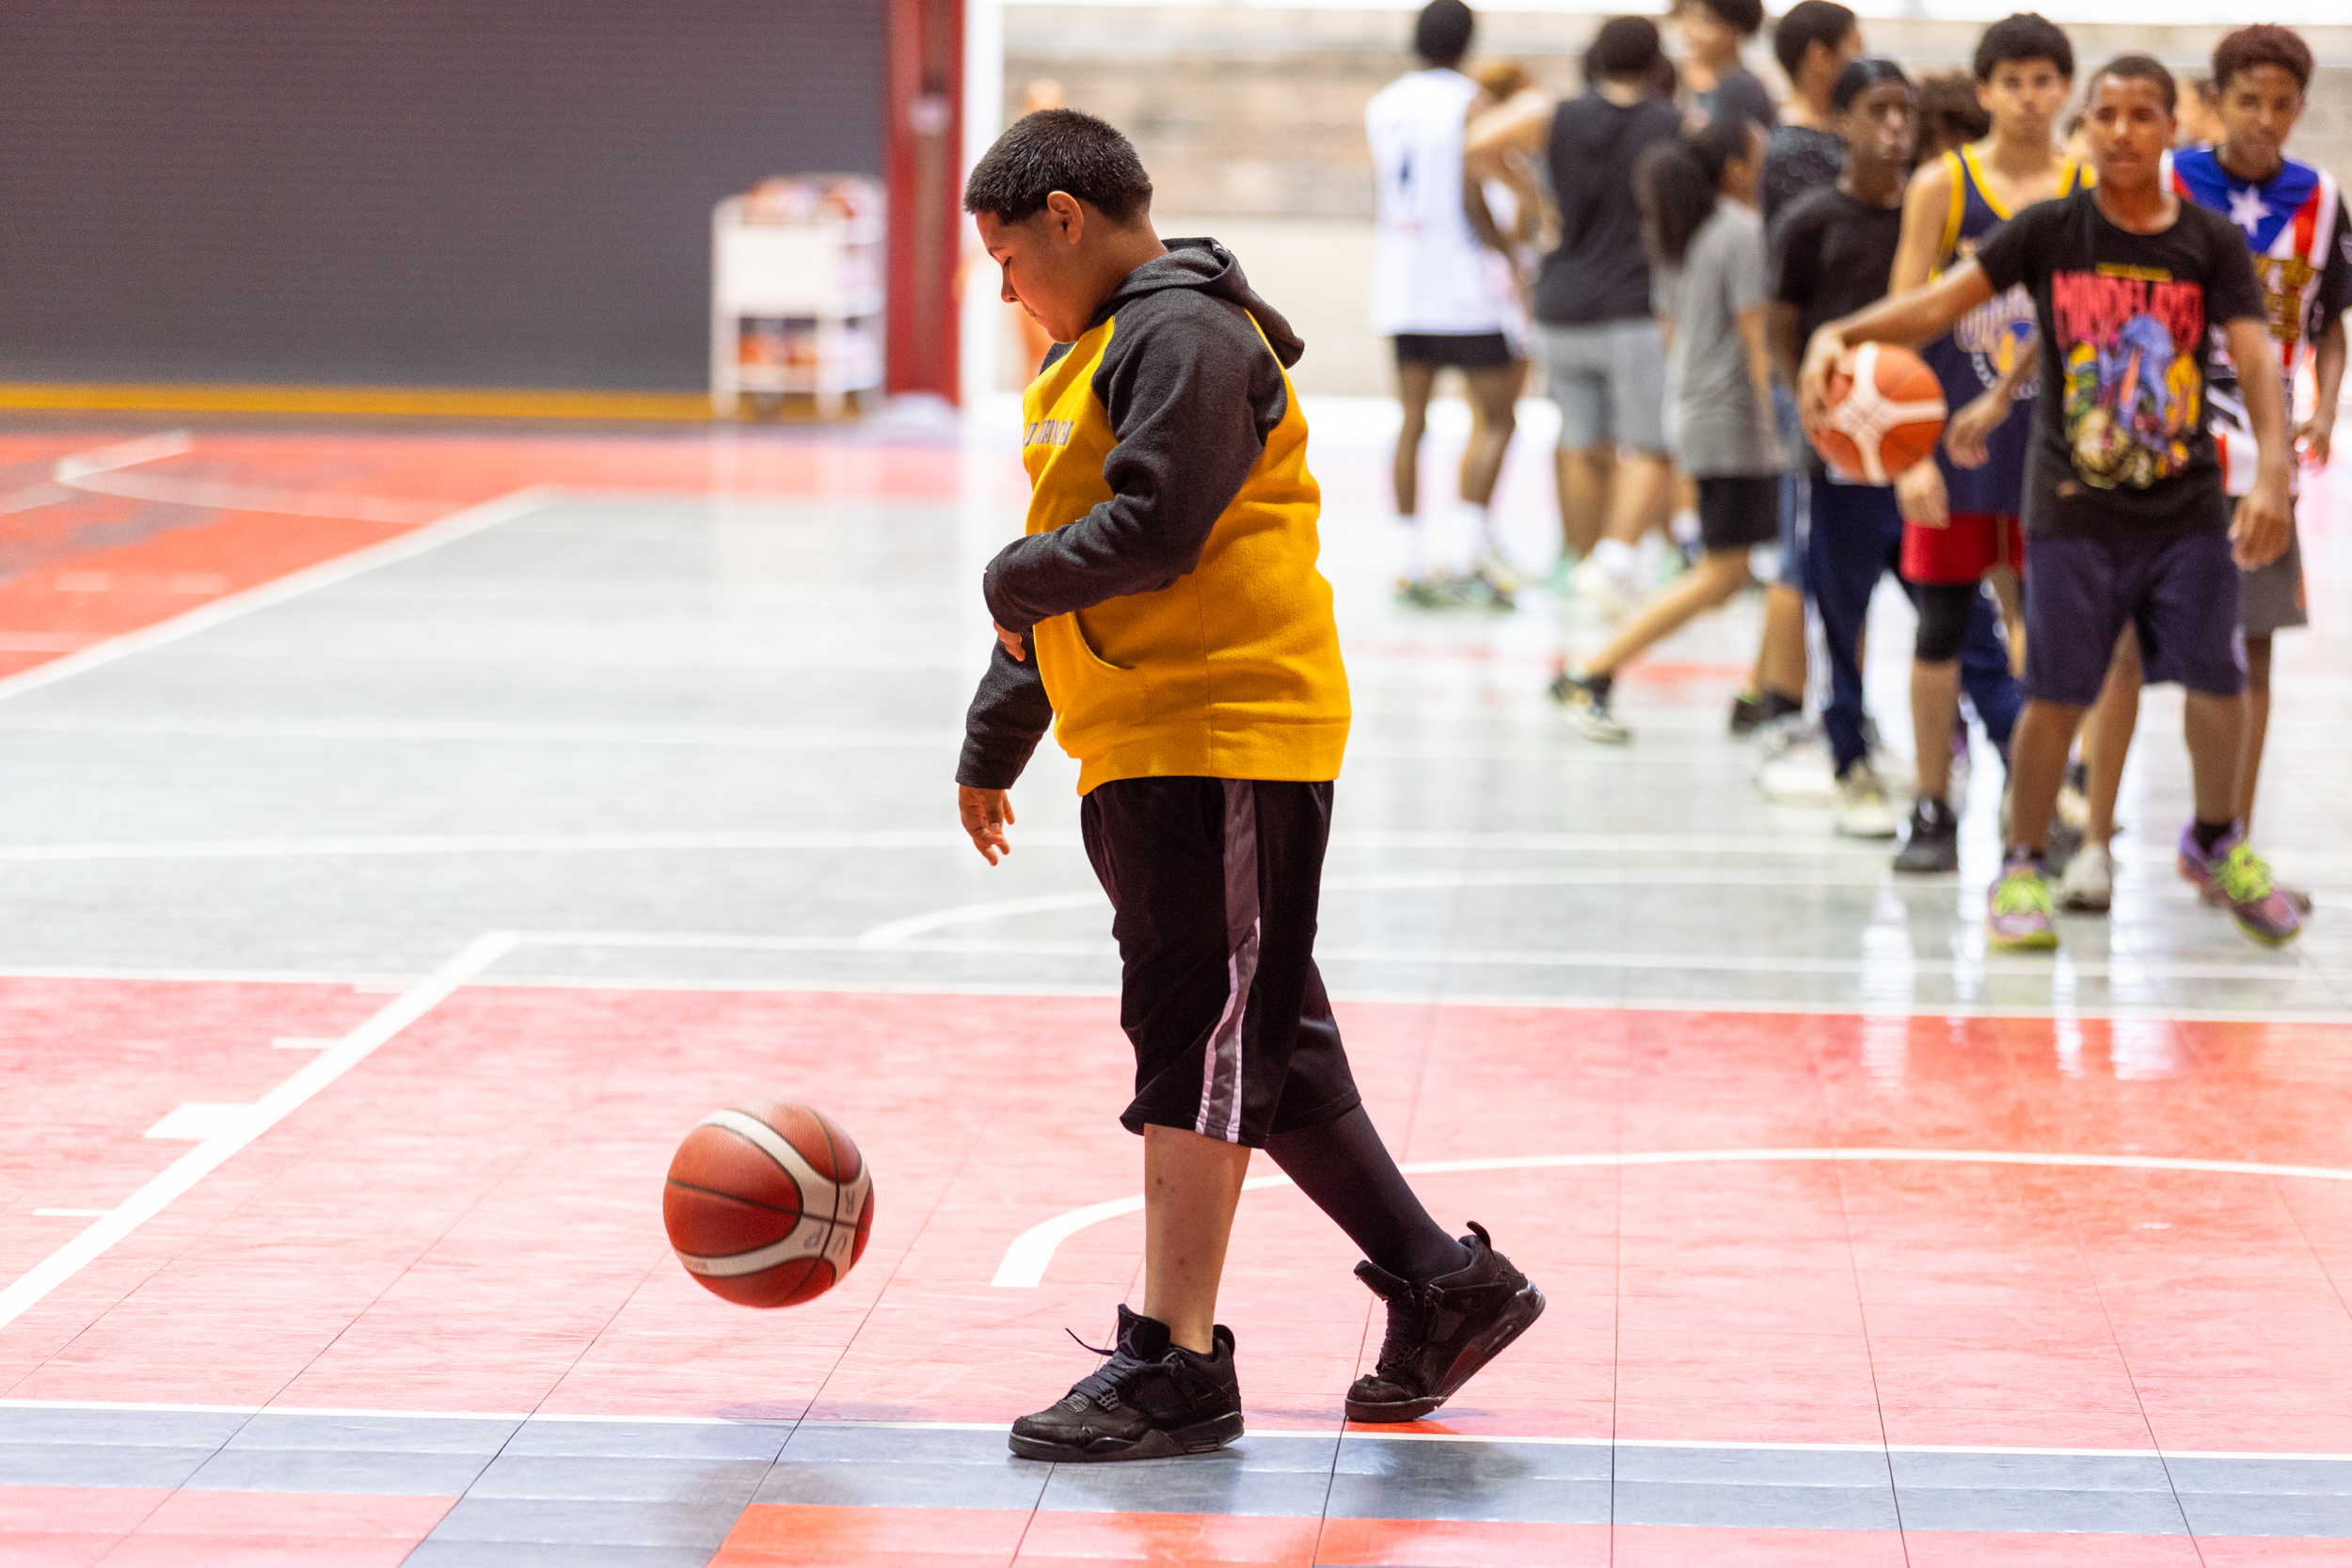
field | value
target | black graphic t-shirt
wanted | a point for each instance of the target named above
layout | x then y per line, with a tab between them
2120	445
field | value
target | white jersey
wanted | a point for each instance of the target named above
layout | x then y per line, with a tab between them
1429	272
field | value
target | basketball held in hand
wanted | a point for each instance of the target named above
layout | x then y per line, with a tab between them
768	1203
1883	417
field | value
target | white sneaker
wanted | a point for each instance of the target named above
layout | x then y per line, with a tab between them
2088	885
1601	592
1795	770
1863	809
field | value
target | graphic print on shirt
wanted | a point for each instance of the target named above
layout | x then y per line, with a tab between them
2133	390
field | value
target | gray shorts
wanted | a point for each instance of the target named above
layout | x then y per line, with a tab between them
2271	597
1610	381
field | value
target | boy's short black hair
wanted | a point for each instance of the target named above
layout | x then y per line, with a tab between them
1809	21
2264	44
1859	77
2140	68
1744	17
1058	149
2023	36
1441	34
1626	48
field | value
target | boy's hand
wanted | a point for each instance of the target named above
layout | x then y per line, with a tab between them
2315	438
986	813
1920	496
1012	640
1967	436
2265	522
1827	352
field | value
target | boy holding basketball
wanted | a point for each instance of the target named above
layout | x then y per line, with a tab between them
2123	493
1164	614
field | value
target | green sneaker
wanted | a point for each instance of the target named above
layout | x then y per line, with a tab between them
2018	917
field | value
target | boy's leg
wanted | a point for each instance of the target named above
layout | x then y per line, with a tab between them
1844	556
2076	599
2107	738
1452	1306
1191	1185
2190	631
1494	395
1993	688
1586	460
2257	724
1943	611
1416	381
1719	575
2271	601
1178	857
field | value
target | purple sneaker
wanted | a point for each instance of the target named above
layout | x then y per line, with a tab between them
2233	875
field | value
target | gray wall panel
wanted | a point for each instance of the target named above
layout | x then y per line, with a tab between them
457	193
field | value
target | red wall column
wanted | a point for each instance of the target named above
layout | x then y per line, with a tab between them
923	152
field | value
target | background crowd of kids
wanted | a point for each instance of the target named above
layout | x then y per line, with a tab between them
1685	261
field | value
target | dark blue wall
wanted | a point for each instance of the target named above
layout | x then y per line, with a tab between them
455	193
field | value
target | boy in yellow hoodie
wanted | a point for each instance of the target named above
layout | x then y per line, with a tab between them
1164	614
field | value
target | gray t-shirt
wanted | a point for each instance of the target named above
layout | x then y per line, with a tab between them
1714	426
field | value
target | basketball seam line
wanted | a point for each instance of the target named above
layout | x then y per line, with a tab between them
797	1210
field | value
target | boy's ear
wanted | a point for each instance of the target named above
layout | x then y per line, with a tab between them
1065	218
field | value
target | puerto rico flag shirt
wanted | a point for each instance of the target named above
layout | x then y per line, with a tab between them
2294	225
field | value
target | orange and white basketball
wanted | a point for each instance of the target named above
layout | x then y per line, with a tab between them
1885	416
768	1203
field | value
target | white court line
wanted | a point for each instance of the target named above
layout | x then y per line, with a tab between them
183	1173
403	732
278	591
854	838
100	473
361	846
1334	1432
1435	997
1027	1258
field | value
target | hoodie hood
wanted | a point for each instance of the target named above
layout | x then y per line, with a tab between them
1207	266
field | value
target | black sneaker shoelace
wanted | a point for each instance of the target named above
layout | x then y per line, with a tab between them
1106	1379
1408	1329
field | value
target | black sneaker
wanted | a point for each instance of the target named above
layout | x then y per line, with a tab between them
1150	1399
1442	1332
1934	842
1750	710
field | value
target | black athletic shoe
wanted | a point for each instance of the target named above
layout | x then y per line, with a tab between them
1150	1399
1934	842
1750	710
1442	1332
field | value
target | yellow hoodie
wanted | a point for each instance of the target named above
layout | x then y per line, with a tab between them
1180	624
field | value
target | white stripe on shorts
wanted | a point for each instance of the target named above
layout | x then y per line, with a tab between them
1221	1062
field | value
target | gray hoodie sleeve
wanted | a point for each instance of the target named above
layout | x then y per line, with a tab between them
1009	715
1191	392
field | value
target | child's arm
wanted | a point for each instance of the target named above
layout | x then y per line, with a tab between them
2265	521
2316	437
1909	319
1009	715
1191	391
1968	438
1927	207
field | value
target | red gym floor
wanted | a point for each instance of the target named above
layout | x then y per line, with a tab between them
367	949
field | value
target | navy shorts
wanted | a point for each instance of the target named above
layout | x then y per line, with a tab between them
2182	594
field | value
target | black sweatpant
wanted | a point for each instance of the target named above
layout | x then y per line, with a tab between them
1215	884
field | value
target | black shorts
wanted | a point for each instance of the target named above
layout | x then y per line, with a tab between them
1464	351
1214	885
1738	511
